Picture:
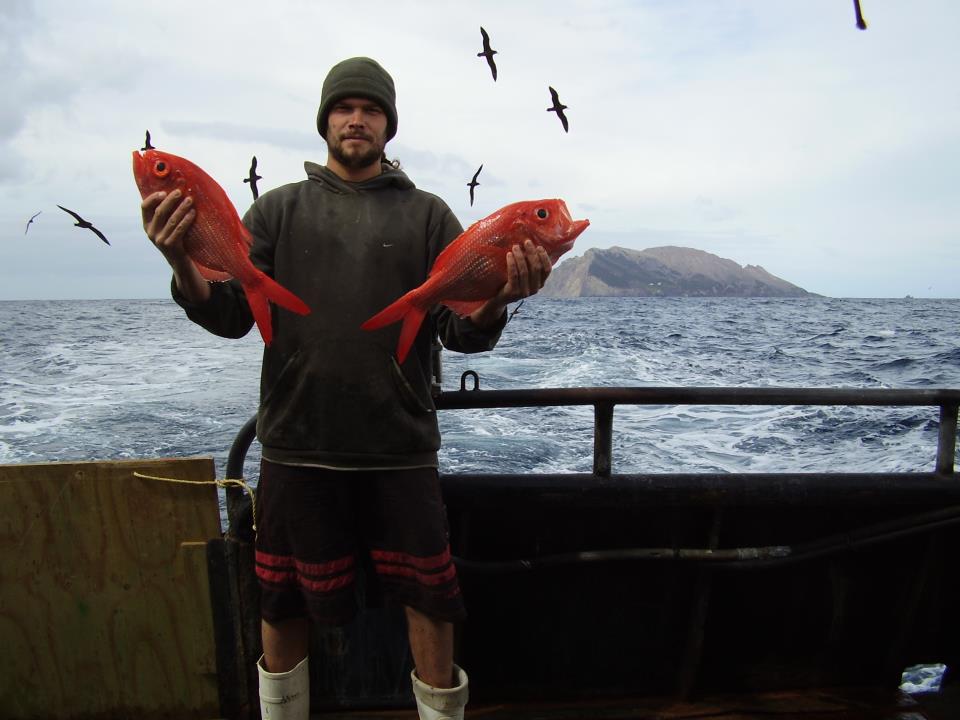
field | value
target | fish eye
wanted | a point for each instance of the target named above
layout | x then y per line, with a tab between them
161	169
542	214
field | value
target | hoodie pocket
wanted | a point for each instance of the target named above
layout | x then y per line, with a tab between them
415	403
289	366
346	395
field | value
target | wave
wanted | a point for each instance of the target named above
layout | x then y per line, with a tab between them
111	379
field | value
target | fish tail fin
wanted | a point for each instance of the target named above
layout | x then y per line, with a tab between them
408	333
279	295
261	313
261	290
392	313
402	309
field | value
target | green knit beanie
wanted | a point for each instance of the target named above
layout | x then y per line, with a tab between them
358	77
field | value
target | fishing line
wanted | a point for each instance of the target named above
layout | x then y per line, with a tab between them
515	311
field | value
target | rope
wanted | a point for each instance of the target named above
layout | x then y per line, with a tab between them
225	483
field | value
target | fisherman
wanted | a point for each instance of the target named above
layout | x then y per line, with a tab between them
349	436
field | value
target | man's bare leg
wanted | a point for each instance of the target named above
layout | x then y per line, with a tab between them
285	643
431	643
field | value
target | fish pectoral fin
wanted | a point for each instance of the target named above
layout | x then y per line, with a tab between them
463	308
211	274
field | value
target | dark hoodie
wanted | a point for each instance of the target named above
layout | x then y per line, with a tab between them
332	394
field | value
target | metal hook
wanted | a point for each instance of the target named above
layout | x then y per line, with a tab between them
463	380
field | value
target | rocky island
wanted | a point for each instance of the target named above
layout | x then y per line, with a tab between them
667	271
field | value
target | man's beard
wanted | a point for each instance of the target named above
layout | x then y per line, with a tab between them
357	160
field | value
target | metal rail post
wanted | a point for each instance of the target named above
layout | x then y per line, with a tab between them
947	441
602	438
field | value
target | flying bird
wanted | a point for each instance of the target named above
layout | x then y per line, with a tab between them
146	143
488	53
558	108
861	23
473	183
81	223
35	215
253	177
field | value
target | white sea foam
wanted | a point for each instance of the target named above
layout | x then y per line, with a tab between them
923	678
134	378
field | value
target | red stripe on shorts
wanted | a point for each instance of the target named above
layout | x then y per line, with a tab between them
315	577
423	578
325	586
285	577
327	568
424	563
417	568
280	561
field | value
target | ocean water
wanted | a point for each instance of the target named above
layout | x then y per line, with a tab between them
111	379
818	343
117	379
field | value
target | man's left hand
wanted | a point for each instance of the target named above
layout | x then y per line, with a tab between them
528	268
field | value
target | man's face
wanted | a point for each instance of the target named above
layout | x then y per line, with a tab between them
356	132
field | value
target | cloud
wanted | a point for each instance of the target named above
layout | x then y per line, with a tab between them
713	212
16	21
770	133
428	161
235	133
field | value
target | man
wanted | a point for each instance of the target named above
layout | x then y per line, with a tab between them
349	437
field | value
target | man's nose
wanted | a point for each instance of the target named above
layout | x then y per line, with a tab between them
356	118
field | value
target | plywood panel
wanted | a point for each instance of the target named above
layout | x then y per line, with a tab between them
104	598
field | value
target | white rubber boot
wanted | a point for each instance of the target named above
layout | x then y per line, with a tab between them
286	695
441	703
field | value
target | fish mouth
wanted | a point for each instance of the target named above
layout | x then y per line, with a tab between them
138	165
578	227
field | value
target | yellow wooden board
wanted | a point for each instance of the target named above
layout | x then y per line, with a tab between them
104	596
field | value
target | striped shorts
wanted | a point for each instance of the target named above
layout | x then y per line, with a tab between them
316	528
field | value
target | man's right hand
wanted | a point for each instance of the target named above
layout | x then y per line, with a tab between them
166	220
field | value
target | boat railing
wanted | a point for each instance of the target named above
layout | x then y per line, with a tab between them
737	486
678	517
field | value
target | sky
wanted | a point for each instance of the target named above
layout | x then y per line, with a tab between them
769	133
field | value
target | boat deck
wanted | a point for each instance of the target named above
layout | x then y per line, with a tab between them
819	704
597	595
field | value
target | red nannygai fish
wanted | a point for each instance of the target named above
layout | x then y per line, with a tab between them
217	242
473	268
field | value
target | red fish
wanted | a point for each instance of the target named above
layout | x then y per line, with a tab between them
217	242
472	269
